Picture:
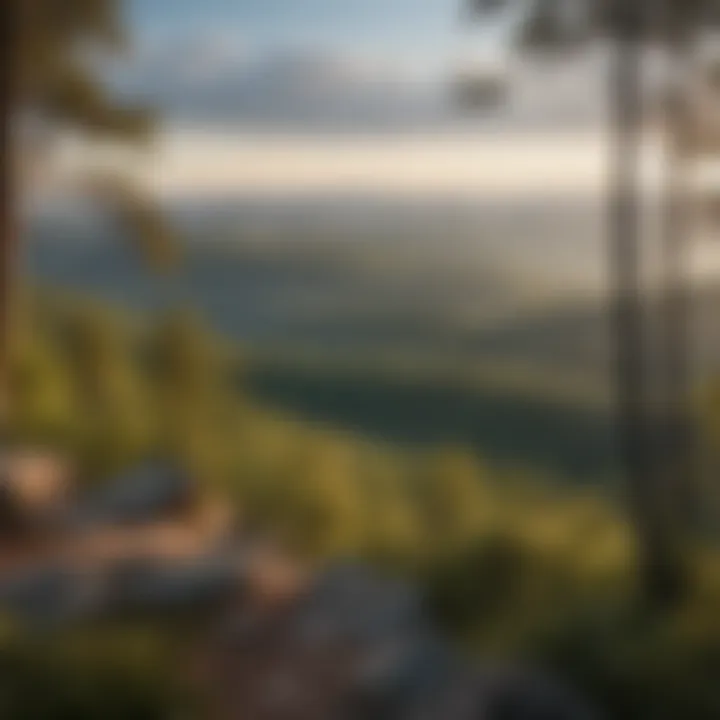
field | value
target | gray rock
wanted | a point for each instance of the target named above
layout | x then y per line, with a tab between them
139	496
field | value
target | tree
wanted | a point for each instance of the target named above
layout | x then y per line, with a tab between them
654	486
47	82
115	419
453	501
9	62
315	499
194	400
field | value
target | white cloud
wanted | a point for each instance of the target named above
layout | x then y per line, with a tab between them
215	80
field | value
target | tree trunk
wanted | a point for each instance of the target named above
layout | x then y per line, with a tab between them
660	569
9	61
680	451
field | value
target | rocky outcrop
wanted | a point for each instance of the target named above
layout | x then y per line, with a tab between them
290	642
358	646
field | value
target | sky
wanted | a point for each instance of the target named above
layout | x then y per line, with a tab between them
420	36
328	65
295	95
327	98
414	27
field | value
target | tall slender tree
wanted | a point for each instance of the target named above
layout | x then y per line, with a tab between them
679	22
657	481
48	78
661	568
9	72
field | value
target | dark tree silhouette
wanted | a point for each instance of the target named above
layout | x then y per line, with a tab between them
48	80
9	63
660	466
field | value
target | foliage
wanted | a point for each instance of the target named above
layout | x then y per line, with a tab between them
58	83
61	90
113	673
638	667
516	568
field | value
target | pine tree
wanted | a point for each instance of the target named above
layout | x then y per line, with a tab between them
661	485
47	79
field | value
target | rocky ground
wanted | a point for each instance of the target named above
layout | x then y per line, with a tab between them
287	641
